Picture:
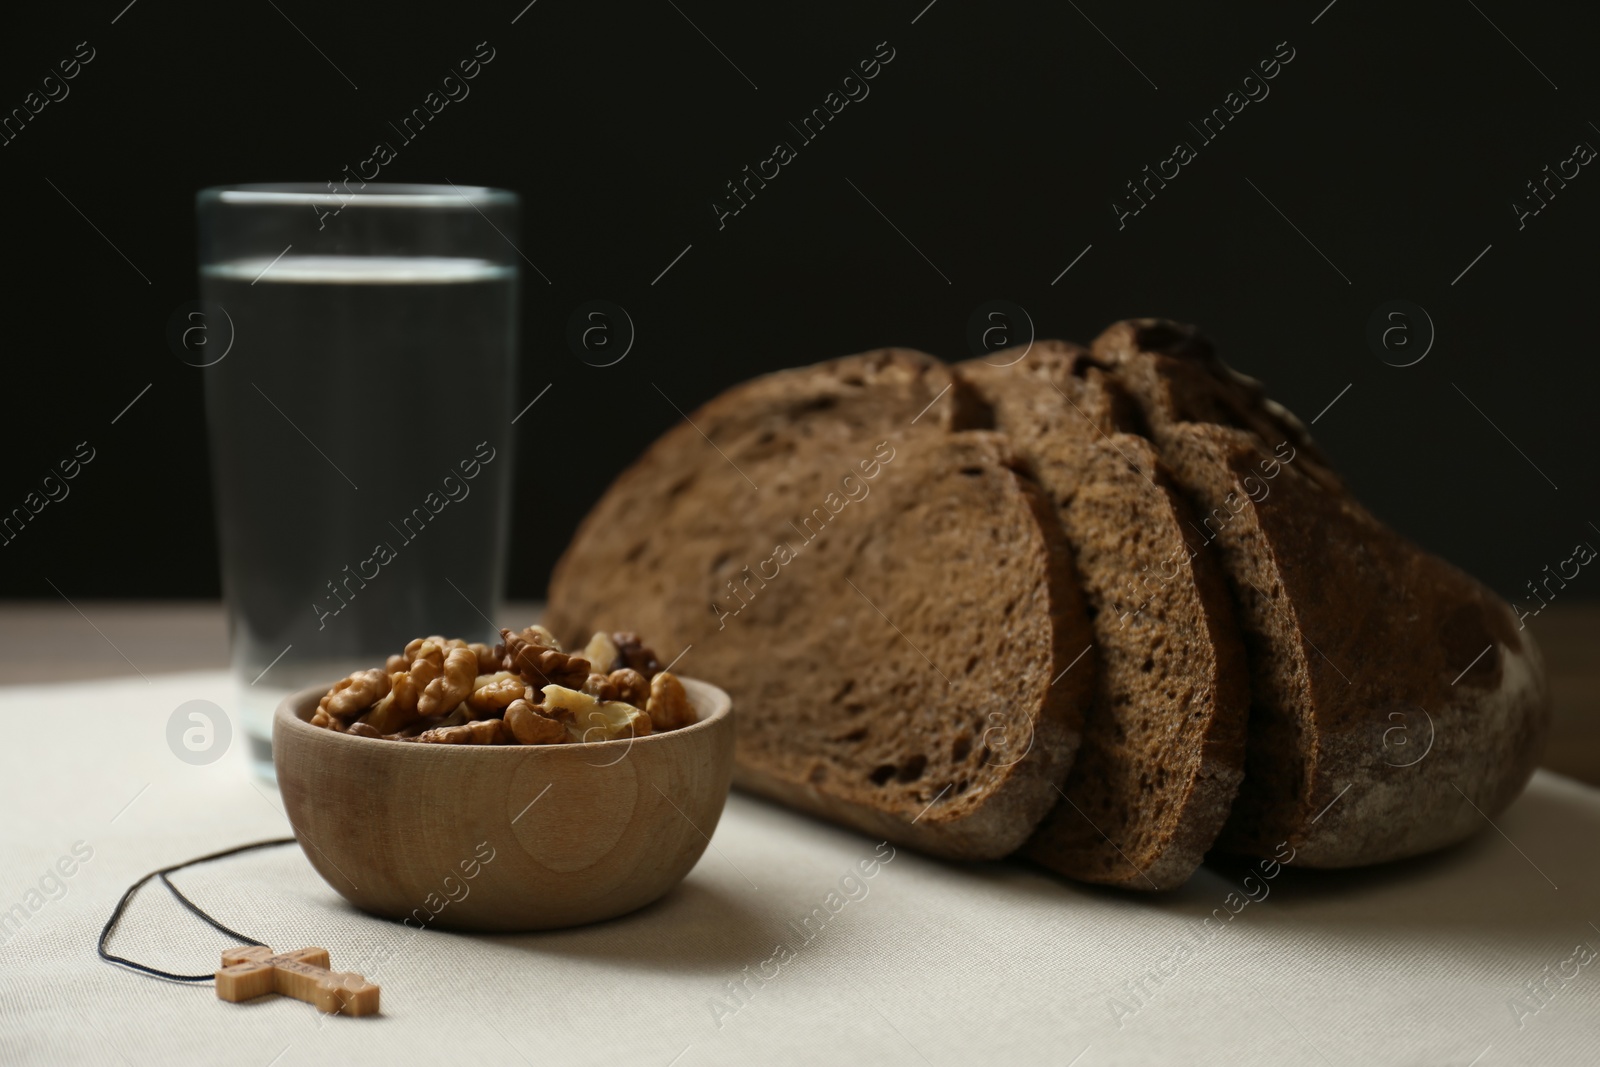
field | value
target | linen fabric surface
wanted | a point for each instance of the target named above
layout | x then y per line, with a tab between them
780	947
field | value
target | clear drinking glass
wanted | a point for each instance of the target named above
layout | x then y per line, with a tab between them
360	382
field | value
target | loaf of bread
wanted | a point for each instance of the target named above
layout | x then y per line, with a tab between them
887	599
1108	608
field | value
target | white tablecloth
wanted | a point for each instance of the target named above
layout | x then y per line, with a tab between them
1433	961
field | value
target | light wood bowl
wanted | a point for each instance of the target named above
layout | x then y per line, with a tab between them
504	837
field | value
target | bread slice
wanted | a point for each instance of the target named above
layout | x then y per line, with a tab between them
1164	738
1394	701
888	601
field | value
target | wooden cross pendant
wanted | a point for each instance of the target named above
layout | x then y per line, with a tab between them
255	970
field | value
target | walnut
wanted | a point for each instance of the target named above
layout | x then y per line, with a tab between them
493	693
453	685
361	729
396	663
635	653
541	665
631	686
565	704
602	653
528	727
512	641
481	732
399	708
589	719
424	670
488	658
669	705
375	726
600	687
355	693
426	648
321	718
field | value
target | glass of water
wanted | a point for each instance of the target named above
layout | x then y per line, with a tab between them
360	379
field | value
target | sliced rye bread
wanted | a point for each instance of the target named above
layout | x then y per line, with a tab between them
1394	702
888	609
1164	737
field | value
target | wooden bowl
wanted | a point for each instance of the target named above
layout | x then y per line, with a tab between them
504	837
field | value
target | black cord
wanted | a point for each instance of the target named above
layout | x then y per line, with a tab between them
122	905
208	920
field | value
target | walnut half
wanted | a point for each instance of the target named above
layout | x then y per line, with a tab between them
669	705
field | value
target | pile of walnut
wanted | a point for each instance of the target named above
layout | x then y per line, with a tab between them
525	691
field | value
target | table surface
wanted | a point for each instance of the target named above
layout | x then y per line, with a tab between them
1481	954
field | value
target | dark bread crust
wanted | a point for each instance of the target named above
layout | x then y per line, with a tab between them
891	670
1197	386
1366	740
1164	739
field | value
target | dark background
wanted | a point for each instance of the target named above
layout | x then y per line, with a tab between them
995	140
